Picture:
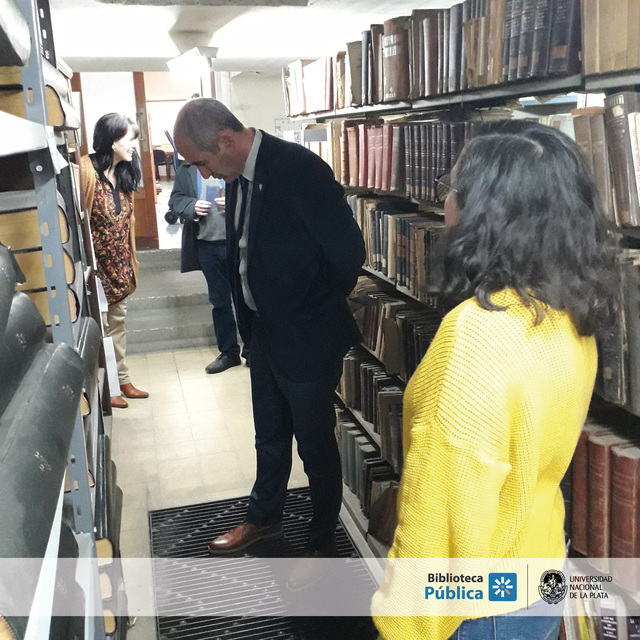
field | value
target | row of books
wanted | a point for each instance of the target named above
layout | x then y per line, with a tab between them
605	504
403	245
440	51
370	478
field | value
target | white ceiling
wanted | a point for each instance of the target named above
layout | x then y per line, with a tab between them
93	36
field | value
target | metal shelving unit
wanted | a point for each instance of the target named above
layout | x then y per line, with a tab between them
22	21
612	80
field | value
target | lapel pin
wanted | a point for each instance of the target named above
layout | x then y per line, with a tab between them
260	186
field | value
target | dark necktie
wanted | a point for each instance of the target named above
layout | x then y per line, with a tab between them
244	187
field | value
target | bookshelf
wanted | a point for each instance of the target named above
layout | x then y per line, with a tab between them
365	424
39	190
458	106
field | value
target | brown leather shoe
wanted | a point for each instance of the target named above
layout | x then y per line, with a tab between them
242	537
310	569
131	392
119	402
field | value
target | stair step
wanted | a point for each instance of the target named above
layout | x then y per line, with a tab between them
136	304
170	345
169	258
170	318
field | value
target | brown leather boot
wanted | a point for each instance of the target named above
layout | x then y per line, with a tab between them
119	402
131	392
242	537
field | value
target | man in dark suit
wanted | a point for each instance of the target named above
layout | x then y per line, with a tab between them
294	253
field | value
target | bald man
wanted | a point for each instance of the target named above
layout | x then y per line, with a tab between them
294	253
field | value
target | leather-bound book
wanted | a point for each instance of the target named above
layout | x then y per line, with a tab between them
365	87
602	164
600	485
495	41
514	39
465	19
580	487
540	41
526	38
582	128
430	28
440	40
625	514
617	108
386	152
376	74
383	518
378	152
353	146
353	74
455	47
565	38
363	154
397	157
371	142
395	52
506	40
417	45
363	452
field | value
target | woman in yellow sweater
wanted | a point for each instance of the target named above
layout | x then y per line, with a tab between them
493	413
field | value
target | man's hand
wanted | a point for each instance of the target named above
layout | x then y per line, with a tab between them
219	202
202	207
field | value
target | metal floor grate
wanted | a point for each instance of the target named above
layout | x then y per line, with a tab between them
184	532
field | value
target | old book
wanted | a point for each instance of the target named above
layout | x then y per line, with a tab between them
19	227
617	109
580	486
363	452
353	74
383	517
514	39
455	47
430	31
602	165
353	150
625	513
506	40
564	39
582	128
397	158
417	52
371	467
495	41
600	485
363	154
365	83
344	445
540	39
377	77
526	38
395	52
465	18
386	153
338	79
483	36
354	470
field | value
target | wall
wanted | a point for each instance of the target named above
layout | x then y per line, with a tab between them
257	100
106	92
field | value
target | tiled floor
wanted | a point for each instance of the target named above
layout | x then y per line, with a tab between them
191	441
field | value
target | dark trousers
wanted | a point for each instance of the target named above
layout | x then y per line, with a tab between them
212	257
281	409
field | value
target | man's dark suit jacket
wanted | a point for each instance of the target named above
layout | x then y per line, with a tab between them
304	256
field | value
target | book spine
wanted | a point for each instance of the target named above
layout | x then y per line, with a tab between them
580	489
366	58
601	165
514	39
466	17
386	157
408	152
455	47
431	53
565	38
526	39
617	109
625	536
397	158
599	488
395	52
506	40
440	41
379	157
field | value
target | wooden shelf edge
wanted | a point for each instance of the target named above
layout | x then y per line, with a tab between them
612	79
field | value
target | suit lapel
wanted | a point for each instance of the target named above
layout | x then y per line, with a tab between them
259	184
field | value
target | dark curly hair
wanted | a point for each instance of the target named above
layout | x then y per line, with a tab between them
109	129
530	219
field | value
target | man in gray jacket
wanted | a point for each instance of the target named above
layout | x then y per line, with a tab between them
204	249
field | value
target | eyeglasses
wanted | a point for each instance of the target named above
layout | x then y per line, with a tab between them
443	187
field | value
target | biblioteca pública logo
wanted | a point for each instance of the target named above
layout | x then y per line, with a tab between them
503	587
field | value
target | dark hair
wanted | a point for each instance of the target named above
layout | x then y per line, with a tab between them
530	219
109	129
201	119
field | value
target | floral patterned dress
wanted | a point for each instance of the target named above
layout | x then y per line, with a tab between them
111	214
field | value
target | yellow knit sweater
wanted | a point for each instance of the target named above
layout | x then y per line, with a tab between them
491	418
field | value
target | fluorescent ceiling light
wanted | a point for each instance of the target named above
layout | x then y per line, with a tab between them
197	59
